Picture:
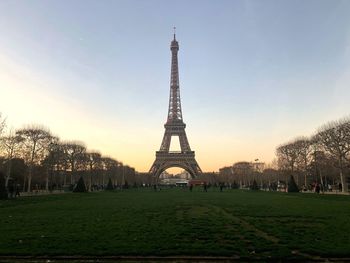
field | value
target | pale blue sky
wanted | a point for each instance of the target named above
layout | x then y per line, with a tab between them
253	74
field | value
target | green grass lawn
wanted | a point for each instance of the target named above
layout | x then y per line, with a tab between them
176	222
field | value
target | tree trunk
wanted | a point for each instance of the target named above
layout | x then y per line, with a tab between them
65	174
9	167
24	183
29	183
30	178
90	184
8	173
47	181
342	180
72	173
322	183
297	177
31	168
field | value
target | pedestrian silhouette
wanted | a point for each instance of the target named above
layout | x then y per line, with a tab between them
317	188
11	188
17	190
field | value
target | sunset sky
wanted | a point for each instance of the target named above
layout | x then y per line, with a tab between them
253	74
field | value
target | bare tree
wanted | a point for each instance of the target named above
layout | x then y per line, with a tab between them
226	174
2	124
10	144
73	151
288	155
304	149
129	175
36	140
52	159
60	163
111	167
243	171
335	139
63	162
93	159
271	177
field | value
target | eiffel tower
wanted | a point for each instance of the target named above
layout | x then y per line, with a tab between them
175	127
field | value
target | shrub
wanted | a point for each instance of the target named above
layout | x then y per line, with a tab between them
292	186
80	188
254	186
126	185
109	185
273	186
235	185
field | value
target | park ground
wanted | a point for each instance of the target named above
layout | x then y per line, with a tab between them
177	223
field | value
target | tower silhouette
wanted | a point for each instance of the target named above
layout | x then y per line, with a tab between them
175	127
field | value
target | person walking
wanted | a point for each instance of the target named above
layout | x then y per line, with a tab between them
329	188
11	188
317	188
17	190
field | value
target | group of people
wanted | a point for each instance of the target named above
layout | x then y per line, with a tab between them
317	188
205	187
13	189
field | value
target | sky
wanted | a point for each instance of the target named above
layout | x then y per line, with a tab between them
253	74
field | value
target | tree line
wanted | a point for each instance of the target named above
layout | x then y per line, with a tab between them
33	158
323	158
326	155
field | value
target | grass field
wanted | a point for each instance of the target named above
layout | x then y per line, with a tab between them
175	222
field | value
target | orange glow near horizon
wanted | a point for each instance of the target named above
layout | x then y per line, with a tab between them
102	134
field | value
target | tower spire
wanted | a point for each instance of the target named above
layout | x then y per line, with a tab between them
174	111
174	32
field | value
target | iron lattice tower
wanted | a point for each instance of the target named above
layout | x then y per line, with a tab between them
175	127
